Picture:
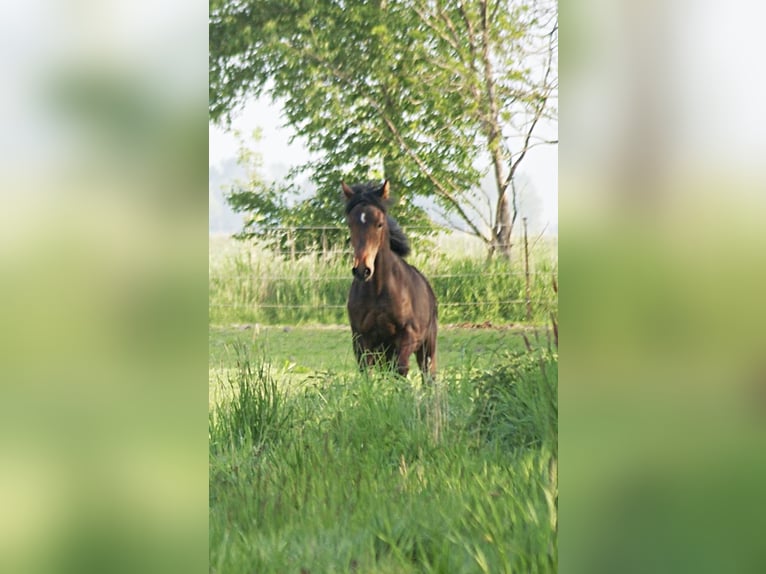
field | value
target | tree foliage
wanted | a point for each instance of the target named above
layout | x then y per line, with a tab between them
443	91
284	220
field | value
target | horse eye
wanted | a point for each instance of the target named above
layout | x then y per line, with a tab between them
380	225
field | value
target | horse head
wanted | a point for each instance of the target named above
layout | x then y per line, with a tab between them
367	220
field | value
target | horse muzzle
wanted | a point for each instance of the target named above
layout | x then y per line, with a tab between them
362	272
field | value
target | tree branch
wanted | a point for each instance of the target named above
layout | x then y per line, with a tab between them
440	188
539	109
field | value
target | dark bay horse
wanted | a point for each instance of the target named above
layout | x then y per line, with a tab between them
391	306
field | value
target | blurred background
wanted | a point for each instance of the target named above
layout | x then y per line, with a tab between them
103	245
662	382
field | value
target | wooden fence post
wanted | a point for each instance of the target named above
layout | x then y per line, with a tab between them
291	242
526	271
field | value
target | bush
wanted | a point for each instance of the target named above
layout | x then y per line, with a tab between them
516	404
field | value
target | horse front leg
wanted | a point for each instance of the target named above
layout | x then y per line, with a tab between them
406	348
363	358
426	356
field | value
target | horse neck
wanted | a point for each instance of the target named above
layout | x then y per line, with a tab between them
386	261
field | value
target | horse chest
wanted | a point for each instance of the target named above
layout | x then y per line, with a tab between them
377	318
378	325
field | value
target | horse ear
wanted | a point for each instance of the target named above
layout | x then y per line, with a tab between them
347	191
383	193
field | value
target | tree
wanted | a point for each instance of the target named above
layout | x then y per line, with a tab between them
283	219
441	90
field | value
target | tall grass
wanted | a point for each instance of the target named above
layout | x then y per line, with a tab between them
251	285
368	473
516	403
258	411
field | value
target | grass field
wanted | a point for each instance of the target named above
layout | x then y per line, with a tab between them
317	468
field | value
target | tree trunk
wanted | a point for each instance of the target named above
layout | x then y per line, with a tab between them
505	214
501	234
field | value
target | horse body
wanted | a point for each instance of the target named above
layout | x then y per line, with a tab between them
392	308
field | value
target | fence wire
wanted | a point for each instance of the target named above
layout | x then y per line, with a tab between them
254	289
256	276
329	306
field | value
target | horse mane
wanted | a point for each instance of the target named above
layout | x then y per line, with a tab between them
367	194
397	239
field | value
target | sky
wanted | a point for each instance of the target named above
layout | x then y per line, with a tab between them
540	166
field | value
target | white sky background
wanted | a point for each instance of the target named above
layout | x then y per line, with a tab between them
540	165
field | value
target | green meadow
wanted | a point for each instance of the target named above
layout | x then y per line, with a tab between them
316	467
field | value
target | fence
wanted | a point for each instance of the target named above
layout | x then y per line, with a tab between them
252	283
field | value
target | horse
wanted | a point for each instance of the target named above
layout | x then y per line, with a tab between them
391	306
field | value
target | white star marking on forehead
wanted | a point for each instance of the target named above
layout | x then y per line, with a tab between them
363	217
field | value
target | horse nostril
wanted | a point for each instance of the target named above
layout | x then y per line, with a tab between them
361	272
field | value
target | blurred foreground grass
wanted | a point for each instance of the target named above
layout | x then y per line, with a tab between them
663	389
